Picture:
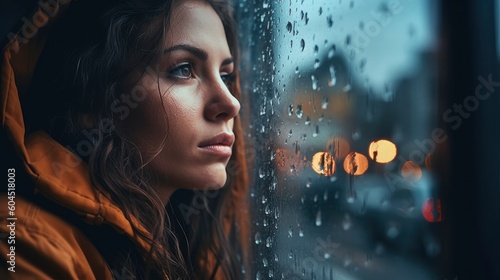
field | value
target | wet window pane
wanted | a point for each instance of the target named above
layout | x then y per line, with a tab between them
341	111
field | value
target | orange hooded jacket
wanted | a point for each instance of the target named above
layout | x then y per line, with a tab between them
39	243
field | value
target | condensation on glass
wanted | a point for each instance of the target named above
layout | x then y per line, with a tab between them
341	105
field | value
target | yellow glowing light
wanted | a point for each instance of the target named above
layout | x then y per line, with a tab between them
411	171
355	164
382	151
323	163
338	147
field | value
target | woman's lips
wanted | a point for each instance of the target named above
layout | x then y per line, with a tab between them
220	145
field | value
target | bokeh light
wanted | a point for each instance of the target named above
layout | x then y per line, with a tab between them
355	164
382	151
323	163
431	209
411	171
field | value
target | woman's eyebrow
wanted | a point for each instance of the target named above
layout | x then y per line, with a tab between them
199	53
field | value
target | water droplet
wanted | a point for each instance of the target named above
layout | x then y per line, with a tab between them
265	262
290	255
290	231
264	199
318	218
329	21
290	133
320	10
267	210
290	110
299	111
269	242
316	49
289	27
297	70
302	44
333	77
316	132
276	257
258	239
325	195
326	255
301	232
347	88
308	182
324	103
262	172
308	121
356	135
271	273
346	223
302	199
264	223
257	276
314	82
315	199
316	63
331	52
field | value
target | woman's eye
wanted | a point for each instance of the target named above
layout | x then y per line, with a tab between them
182	71
227	78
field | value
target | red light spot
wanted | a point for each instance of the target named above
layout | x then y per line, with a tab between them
432	210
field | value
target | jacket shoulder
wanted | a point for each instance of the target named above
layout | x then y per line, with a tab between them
41	245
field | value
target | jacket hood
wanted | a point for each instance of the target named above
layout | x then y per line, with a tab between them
57	173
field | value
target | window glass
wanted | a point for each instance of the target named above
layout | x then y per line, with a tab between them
342	102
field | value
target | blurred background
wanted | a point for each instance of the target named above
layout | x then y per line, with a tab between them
375	135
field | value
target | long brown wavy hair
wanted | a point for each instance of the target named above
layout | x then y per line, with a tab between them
90	49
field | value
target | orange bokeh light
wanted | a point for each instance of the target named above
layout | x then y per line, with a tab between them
323	163
338	147
355	164
411	171
382	151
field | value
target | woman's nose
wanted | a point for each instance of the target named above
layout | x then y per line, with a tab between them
222	105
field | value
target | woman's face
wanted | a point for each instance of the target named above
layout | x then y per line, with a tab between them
188	102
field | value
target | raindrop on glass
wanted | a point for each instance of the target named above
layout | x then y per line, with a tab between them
290	231
290	110
324	103
316	132
331	52
301	232
289	27
356	135
316	63
308	182
262	172
308	121
269	242
299	111
329	21
346	223
267	210
314	82
316	49
302	44
265	262
318	218
258	239
333	77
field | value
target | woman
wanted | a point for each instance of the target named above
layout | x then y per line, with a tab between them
123	133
